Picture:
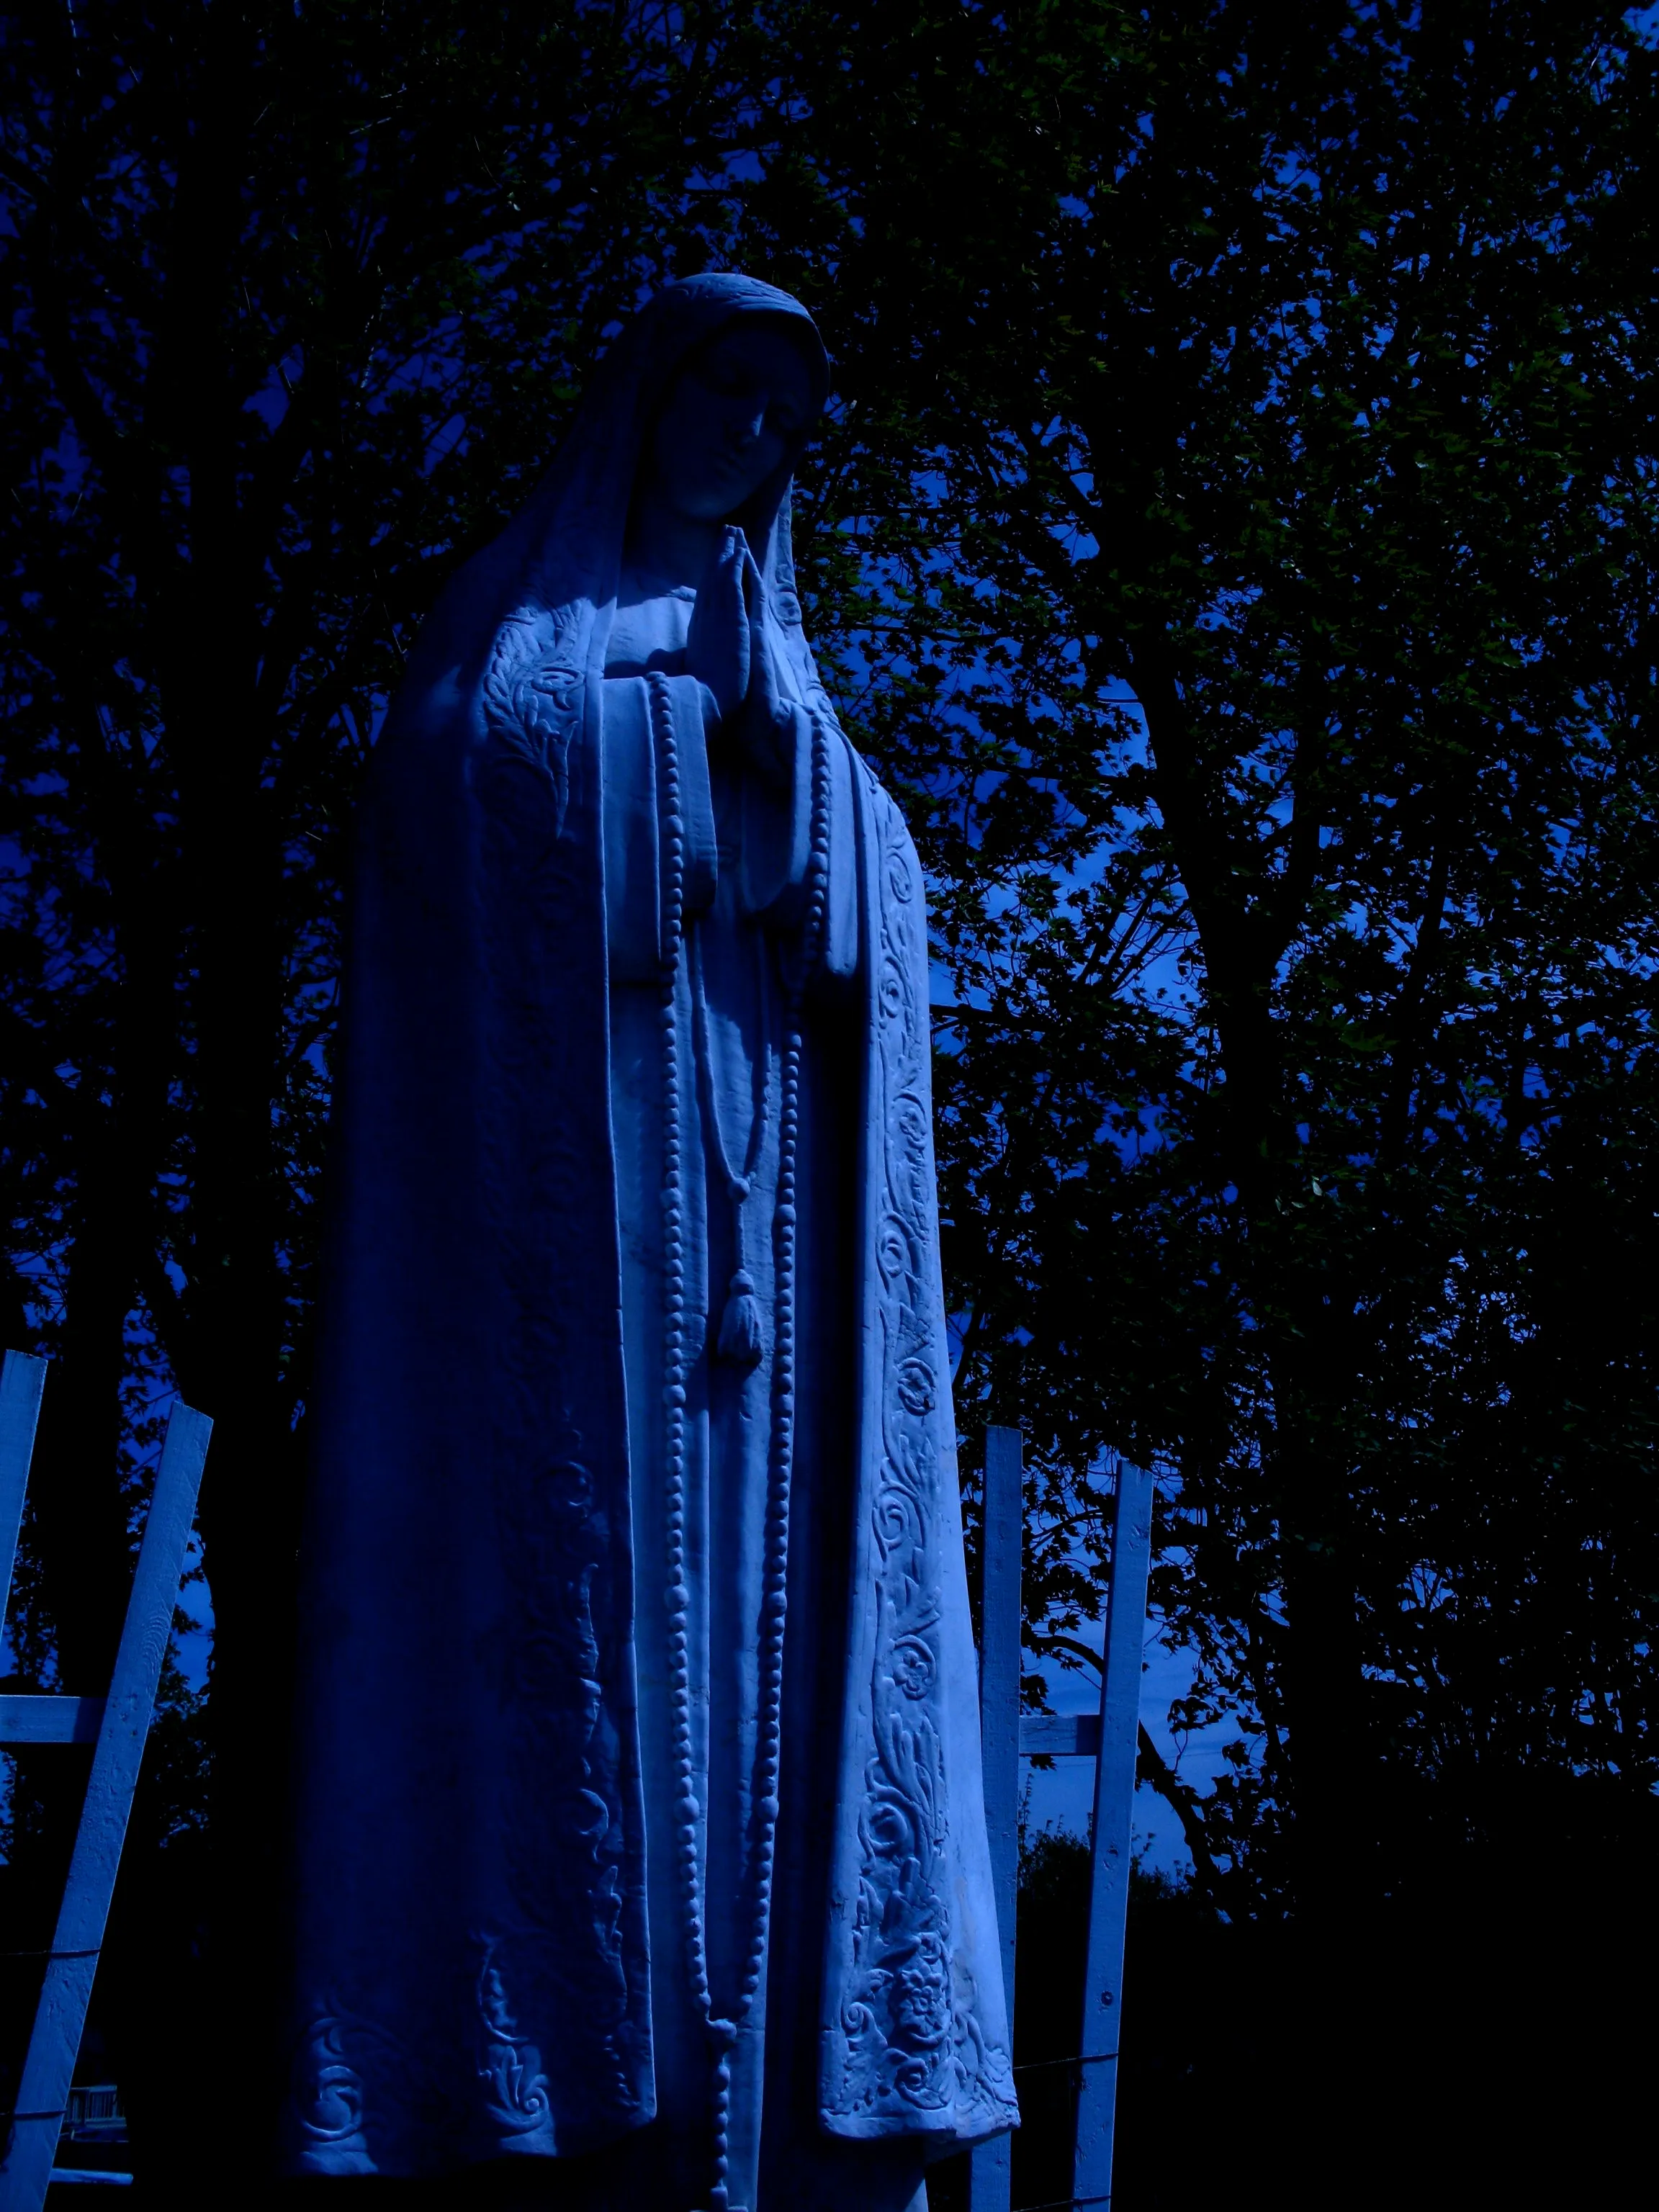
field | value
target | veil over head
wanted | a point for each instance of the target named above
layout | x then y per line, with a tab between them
553	571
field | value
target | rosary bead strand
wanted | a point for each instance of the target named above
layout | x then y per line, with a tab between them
686	1807
723	2032
782	1454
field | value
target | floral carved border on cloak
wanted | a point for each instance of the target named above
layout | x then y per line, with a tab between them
909	2050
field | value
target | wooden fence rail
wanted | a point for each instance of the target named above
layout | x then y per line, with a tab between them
117	1726
1109	1737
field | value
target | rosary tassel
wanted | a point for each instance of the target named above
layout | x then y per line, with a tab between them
741	1342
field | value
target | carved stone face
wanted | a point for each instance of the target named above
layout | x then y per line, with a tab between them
731	415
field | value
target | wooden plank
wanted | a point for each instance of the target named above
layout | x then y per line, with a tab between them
22	1380
49	1720
1109	1881
1060	1735
990	2180
49	2068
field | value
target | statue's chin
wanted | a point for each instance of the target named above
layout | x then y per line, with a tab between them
719	497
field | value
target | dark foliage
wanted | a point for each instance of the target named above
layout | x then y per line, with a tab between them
1300	1079
1462	1998
1238	519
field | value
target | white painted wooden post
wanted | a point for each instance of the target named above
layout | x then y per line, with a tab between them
48	2070
1109	1880
990	2175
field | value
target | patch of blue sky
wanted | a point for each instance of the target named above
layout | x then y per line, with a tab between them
273	398
60	472
193	1630
1062	1797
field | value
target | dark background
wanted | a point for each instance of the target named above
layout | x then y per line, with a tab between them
1233	536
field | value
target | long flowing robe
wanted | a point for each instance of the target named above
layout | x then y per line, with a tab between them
496	1944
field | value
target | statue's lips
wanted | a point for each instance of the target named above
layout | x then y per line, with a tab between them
730	472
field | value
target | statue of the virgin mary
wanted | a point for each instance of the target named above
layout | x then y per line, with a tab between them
641	1858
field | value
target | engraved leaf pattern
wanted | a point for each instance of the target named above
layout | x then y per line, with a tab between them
516	2092
533	699
345	2068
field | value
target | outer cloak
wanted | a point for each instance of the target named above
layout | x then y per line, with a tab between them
472	1971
